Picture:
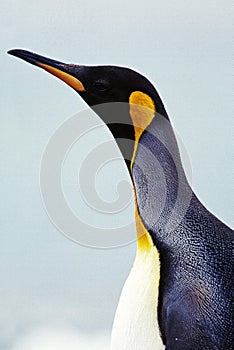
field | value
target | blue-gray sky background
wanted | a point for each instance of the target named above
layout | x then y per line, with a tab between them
52	289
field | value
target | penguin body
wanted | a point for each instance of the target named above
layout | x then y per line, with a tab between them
195	309
180	287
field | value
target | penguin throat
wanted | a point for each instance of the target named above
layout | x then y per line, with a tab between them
142	112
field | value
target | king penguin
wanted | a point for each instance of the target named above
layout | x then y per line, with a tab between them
178	295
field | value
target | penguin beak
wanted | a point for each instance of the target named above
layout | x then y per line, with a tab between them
63	71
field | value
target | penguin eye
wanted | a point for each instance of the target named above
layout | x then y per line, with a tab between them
101	85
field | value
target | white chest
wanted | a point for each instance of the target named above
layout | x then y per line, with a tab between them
135	325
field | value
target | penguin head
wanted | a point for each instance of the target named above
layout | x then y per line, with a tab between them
107	86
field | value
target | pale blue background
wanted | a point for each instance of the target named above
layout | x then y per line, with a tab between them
49	285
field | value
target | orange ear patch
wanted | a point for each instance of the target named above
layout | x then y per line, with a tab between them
142	112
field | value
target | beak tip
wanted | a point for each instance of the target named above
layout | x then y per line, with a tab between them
11	52
24	55
15	52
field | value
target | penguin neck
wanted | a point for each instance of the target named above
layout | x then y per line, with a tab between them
161	188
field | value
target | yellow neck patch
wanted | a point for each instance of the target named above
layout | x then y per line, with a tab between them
142	112
144	241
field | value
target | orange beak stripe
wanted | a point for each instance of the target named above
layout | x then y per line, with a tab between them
67	78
